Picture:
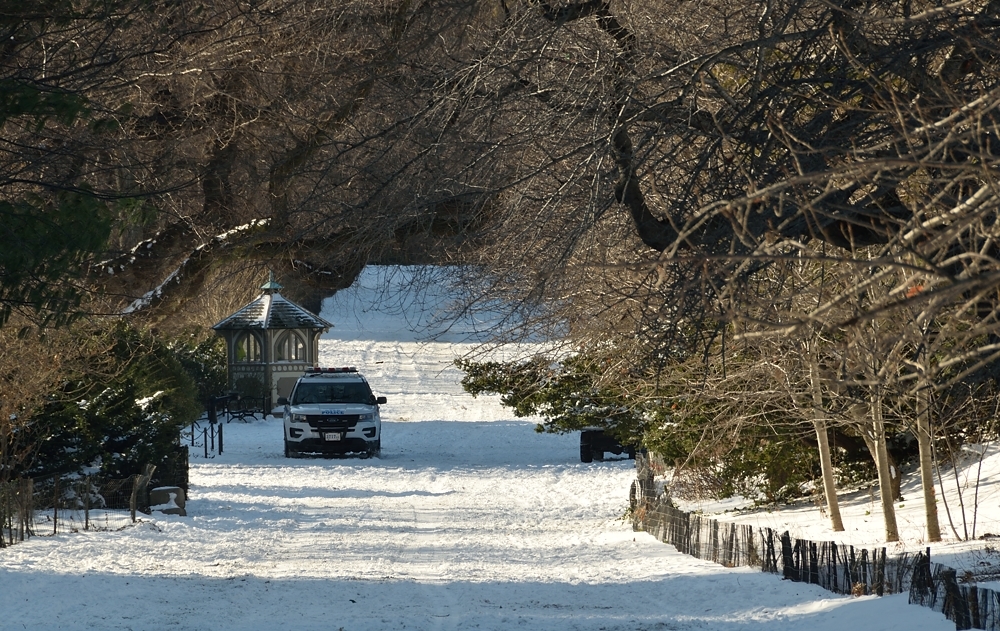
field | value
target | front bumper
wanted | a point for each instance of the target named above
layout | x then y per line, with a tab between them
340	447
313	436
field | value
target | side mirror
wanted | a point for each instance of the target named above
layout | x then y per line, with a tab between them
282	401
380	400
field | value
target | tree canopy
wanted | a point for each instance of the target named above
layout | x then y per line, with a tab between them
673	181
547	140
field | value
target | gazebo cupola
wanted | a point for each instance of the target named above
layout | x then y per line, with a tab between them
271	342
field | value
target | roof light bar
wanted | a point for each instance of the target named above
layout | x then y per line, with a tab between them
318	370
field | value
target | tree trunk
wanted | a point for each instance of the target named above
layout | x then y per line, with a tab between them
884	473
4	465
826	465
927	462
823	440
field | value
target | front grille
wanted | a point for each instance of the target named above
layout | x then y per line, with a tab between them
344	421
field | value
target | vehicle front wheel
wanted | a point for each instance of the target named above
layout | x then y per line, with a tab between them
289	452
586	452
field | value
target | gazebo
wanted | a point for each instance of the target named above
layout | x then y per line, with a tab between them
270	343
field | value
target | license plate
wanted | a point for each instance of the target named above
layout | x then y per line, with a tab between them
332	436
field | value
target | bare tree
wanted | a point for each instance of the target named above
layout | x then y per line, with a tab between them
629	173
370	132
822	436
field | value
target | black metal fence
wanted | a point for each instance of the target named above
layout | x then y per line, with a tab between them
204	434
842	569
54	505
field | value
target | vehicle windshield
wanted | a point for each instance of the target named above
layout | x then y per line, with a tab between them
332	393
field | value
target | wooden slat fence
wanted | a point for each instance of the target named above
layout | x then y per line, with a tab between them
842	569
839	568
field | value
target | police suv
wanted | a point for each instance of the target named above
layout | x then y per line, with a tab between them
332	411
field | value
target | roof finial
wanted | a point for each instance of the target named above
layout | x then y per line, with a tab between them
270	286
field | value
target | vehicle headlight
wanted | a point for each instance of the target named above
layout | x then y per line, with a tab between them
366	417
299	418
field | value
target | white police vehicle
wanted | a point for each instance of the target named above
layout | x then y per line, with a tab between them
332	412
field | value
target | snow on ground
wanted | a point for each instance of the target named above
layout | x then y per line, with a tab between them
469	520
864	525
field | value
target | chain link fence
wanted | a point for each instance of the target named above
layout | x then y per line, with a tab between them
57	504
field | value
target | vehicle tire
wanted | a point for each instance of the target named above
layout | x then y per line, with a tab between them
598	454
586	452
289	452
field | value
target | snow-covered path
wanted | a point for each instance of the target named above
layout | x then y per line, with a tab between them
461	524
470	520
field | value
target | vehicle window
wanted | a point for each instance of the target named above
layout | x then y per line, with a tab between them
332	393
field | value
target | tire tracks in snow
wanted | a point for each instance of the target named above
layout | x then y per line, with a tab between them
444	612
377	537
324	542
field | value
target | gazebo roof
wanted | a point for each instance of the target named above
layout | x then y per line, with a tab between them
271	310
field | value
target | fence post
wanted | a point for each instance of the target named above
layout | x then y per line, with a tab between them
139	481
220	438
975	614
5	512
132	497
833	569
714	525
956	607
865	574
853	569
26	509
813	563
786	555
922	583
732	550
880	572
86	503
55	507
797	560
204	440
